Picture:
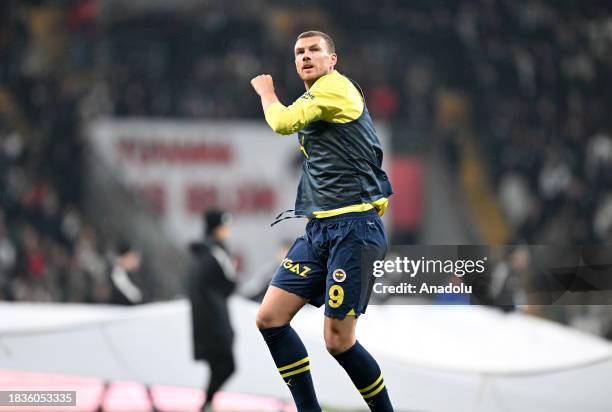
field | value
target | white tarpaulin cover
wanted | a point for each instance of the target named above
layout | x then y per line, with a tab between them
434	358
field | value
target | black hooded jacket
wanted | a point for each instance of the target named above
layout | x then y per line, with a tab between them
210	283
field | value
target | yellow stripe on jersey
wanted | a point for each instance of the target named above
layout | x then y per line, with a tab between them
332	98
380	205
294	364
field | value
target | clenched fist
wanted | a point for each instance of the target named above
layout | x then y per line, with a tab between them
263	84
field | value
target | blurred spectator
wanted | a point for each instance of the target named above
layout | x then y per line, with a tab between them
8	259
125	288
212	279
508	280
516	199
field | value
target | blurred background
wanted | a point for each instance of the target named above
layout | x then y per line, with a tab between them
122	121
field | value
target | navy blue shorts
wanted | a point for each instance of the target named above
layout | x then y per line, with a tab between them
332	262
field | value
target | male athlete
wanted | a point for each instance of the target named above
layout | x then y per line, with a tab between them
343	190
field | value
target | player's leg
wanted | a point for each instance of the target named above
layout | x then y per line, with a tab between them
297	279
339	334
286	347
278	308
355	243
360	366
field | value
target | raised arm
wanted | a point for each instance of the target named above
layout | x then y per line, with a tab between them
286	119
264	87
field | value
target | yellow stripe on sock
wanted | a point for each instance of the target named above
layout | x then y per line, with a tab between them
295	372
369	395
293	365
369	388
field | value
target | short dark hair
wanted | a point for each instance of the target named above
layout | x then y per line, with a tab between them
123	247
331	47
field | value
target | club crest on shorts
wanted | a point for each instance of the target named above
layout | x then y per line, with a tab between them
339	275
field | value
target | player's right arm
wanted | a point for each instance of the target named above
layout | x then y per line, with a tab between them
316	104
264	87
290	119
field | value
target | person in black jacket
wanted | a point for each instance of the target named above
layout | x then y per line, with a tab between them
211	282
125	289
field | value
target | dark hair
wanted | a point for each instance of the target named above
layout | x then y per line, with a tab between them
123	247
213	218
331	47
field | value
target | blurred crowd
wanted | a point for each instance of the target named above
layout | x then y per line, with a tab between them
543	100
48	248
199	63
537	75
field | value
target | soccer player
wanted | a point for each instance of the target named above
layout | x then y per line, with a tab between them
342	191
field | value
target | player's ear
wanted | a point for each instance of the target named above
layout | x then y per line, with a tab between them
334	58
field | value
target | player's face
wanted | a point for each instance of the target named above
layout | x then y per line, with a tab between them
312	59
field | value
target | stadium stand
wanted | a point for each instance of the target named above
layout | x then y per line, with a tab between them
534	76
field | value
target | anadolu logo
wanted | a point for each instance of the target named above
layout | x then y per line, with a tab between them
339	275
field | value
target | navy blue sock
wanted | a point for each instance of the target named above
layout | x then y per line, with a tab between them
293	363
366	376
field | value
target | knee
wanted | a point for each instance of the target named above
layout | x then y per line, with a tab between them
266	319
337	342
